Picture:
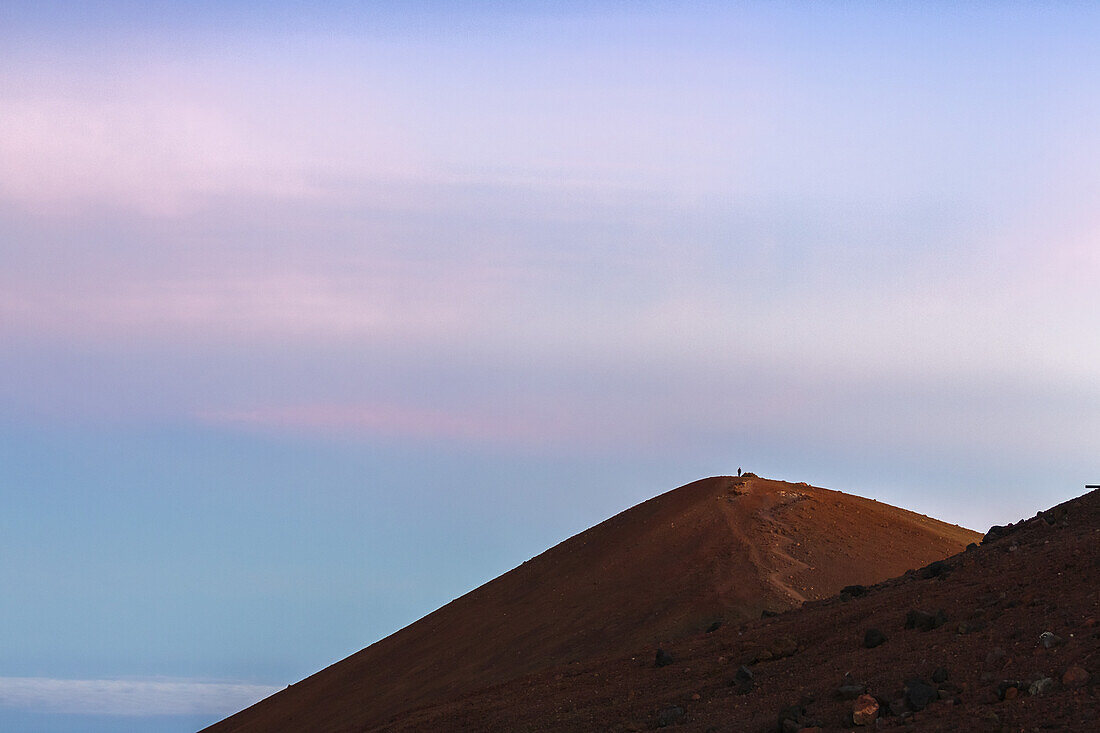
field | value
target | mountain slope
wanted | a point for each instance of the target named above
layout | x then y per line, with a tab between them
1004	637
718	549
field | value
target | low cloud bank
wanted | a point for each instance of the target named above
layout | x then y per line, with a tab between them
129	697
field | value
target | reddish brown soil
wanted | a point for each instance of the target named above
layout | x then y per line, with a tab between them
998	598
596	606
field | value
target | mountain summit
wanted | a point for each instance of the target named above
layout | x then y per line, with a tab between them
723	549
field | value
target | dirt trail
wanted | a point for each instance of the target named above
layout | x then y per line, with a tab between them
779	546
753	519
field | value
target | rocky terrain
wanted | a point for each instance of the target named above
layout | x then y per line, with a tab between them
1004	636
654	618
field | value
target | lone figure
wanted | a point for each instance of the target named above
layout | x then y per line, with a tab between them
738	471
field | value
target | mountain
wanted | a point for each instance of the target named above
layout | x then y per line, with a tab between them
721	549
1000	638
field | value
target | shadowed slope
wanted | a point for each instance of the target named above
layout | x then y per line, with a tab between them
717	549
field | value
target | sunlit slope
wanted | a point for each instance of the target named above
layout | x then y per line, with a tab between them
717	549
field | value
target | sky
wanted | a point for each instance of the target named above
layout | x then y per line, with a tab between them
315	316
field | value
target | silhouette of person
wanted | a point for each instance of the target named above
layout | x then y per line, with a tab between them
738	470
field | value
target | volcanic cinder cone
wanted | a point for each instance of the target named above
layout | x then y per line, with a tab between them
1004	636
720	549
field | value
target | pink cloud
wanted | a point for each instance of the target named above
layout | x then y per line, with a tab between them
398	421
513	426
158	141
255	305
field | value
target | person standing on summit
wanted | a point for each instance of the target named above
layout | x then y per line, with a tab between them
738	472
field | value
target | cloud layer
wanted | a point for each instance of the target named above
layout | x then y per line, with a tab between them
129	697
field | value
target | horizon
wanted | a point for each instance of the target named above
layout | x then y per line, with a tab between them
314	318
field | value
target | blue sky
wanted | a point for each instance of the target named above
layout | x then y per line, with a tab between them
313	319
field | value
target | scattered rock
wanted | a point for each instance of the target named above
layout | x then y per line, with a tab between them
663	659
924	621
934	570
670	715
782	646
854	591
850	691
790	718
1008	689
742	681
940	675
1041	686
714	627
1075	677
768	613
918	694
996	532
753	654
865	710
794	719
696	696
873	638
1049	640
988	696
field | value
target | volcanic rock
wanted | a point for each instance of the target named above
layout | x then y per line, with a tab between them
865	710
873	638
782	646
742	681
1075	677
934	570
791	719
1041	686
1008	689
850	690
669	715
1049	640
918	694
923	621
